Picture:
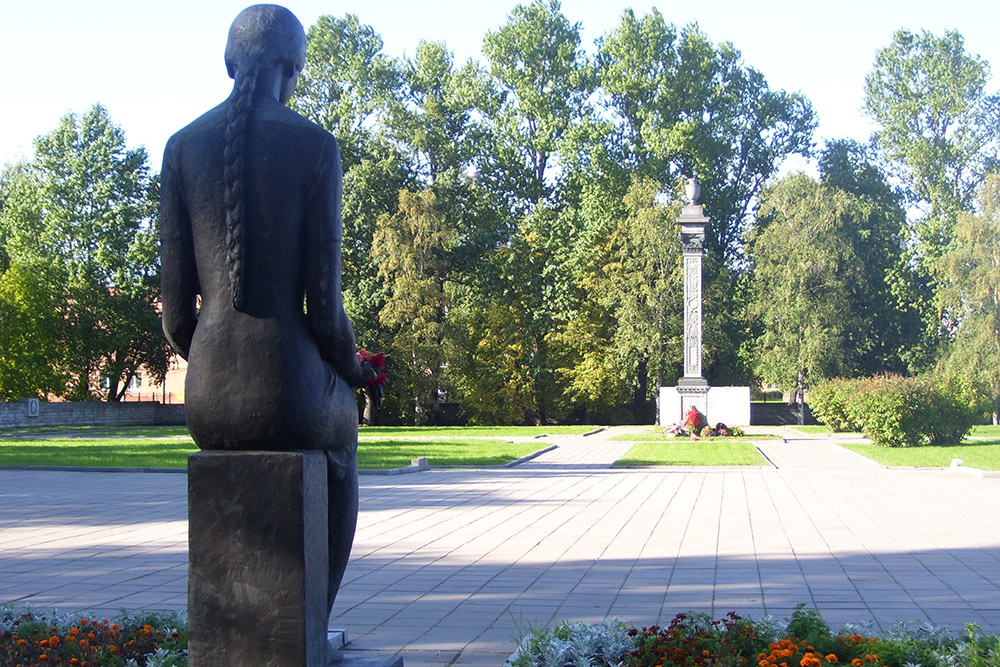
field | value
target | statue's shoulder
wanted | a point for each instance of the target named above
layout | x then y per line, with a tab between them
198	132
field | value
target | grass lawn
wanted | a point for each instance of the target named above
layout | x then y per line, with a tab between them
384	453
982	454
985	430
113	448
686	452
657	435
97	452
366	432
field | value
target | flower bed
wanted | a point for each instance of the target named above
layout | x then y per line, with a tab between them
804	640
40	639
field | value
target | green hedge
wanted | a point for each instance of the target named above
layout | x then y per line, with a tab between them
896	411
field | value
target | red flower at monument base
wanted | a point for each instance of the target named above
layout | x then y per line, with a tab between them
693	419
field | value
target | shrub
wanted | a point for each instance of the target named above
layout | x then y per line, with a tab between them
828	401
707	431
954	408
895	411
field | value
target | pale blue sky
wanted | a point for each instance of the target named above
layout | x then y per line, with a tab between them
156	66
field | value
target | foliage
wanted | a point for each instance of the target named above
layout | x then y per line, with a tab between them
574	643
936	124
82	214
804	639
34	639
969	296
804	270
828	401
896	411
543	78
684	106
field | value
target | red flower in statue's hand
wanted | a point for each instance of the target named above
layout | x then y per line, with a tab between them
377	381
377	361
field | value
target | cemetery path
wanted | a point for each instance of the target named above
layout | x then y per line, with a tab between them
448	565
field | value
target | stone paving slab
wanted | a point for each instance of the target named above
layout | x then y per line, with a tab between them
449	565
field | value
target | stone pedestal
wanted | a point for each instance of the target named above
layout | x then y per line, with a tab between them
258	568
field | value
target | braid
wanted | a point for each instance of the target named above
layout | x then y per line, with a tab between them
237	115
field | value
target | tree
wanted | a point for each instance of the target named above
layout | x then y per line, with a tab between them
969	295
687	107
938	127
347	83
85	206
893	301
804	269
544	79
31	332
411	253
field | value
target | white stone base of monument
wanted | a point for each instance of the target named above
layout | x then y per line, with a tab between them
729	405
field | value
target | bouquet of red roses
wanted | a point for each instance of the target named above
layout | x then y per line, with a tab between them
372	366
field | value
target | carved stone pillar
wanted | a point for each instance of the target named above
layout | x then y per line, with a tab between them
692	221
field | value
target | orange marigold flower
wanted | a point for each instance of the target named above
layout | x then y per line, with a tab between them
53	641
832	657
871	657
84	621
43	657
74	631
91	635
857	662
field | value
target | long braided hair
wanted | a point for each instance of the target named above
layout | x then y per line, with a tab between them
262	36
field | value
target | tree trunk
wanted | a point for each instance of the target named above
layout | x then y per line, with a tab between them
370	414
639	396
801	397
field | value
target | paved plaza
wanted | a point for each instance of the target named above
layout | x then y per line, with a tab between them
448	564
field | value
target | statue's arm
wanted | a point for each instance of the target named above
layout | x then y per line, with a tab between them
325	313
178	274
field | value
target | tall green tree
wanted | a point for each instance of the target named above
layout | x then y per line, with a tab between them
348	83
544	79
411	249
894	300
86	208
969	295
804	270
938	127
687	107
32	330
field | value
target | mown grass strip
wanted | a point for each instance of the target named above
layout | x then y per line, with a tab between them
383	454
367	432
982	454
685	452
123	452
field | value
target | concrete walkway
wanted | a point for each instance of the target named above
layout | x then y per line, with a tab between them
448	565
